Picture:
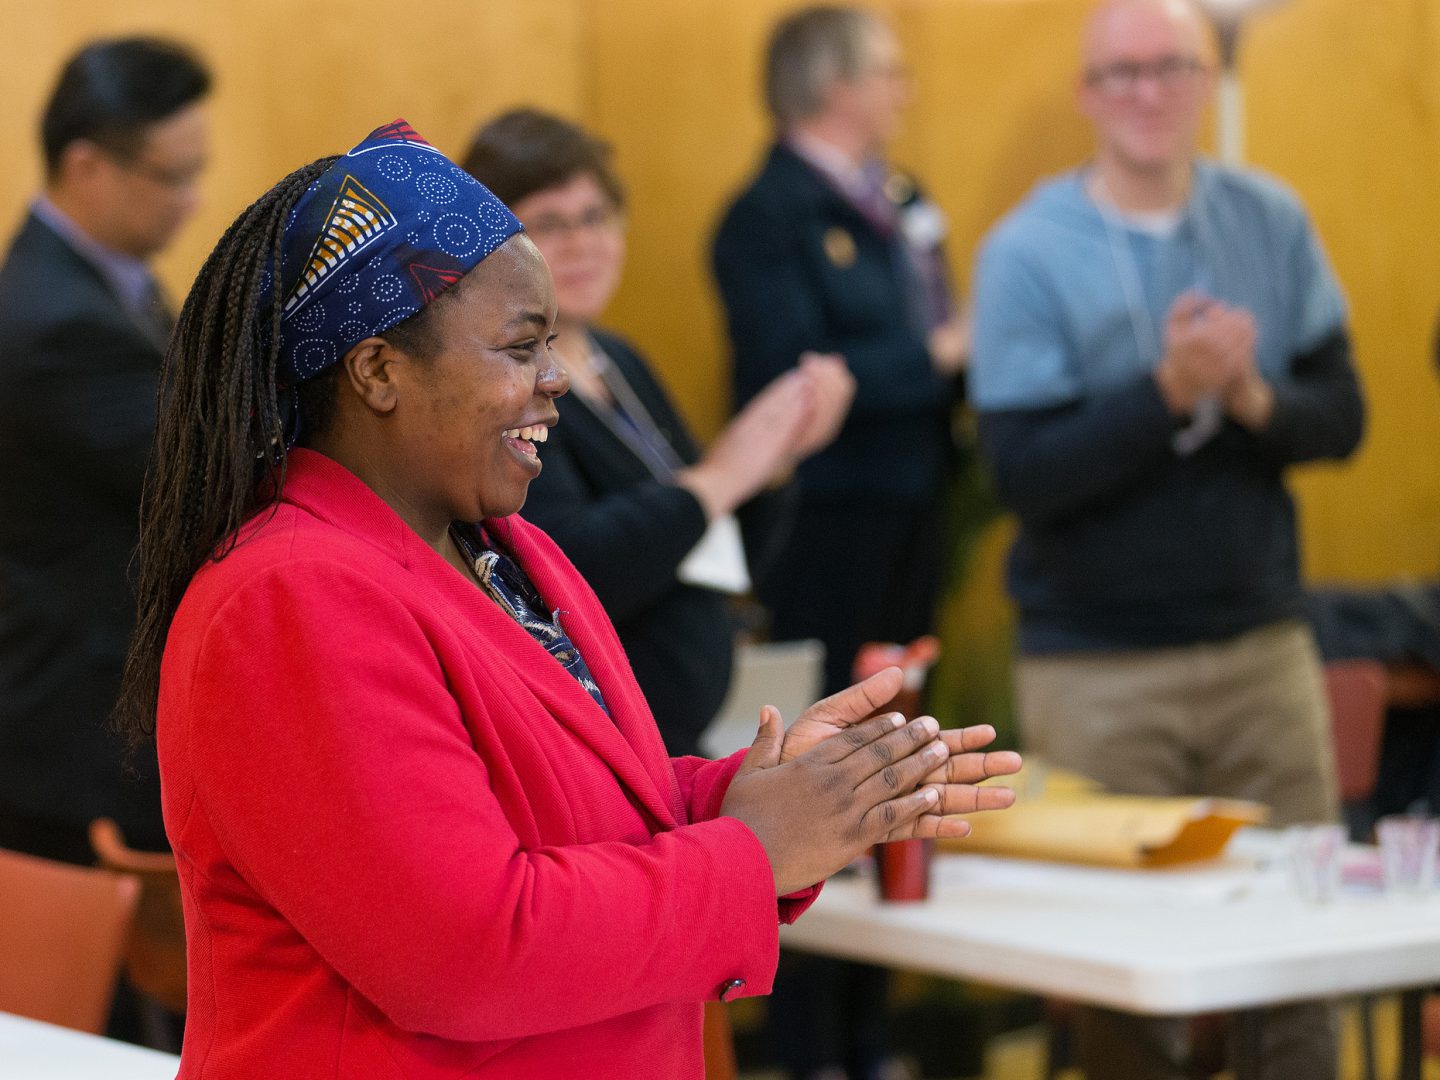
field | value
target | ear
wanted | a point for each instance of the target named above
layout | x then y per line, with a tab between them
79	161
370	372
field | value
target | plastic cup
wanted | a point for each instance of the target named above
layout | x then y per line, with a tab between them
1314	856
903	870
1409	844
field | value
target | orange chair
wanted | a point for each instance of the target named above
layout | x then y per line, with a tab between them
155	959
1358	692
719	1043
63	931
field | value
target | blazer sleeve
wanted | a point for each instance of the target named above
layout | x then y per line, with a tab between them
703	784
333	765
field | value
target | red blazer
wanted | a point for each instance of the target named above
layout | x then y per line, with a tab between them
410	844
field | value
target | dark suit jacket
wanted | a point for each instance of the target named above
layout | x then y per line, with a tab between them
76	418
800	268
627	533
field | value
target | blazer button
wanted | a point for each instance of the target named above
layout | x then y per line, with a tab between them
731	989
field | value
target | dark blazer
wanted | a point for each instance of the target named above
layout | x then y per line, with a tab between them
627	533
800	268
76	418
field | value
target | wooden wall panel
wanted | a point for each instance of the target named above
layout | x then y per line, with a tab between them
1342	103
298	79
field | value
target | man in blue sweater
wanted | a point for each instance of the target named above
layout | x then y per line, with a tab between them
1157	339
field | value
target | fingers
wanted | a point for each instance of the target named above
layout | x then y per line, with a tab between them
972	798
853	737
941	822
897	763
854	703
973	766
897	817
1186	306
931	826
765	750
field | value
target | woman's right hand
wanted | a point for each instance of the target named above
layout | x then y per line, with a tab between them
816	813
755	447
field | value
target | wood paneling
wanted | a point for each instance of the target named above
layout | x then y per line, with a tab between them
1341	96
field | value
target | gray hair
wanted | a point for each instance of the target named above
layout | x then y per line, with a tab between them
808	51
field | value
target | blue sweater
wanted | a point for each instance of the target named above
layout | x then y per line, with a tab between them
1124	542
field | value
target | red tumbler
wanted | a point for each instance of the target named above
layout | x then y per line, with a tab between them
903	869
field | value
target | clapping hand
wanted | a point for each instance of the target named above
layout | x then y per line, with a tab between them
1209	351
837	782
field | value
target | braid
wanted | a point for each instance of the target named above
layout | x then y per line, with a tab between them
218	454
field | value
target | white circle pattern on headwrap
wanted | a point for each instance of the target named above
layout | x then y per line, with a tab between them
368	230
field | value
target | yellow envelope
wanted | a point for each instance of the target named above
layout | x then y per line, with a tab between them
1075	822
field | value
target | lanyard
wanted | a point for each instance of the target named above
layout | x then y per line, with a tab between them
630	421
1209	414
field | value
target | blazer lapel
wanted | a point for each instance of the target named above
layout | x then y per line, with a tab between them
627	739
617	739
629	743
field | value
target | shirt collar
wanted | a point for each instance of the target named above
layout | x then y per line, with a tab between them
831	162
129	278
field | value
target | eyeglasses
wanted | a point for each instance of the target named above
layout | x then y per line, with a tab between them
601	218
1124	76
173	179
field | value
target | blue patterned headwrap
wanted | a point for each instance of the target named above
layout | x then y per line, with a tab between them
384	231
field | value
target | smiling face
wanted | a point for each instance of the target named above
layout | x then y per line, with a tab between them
579	229
451	435
1147	82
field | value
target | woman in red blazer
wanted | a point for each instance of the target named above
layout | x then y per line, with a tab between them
424	821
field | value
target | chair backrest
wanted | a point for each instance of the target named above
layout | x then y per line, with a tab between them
63	931
155	958
1357	693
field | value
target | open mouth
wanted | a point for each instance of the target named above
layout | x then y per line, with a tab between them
524	439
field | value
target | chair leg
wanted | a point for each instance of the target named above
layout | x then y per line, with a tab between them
1410	1049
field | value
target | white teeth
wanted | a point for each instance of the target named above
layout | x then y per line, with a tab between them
539	433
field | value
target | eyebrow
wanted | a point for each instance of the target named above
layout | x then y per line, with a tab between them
534	318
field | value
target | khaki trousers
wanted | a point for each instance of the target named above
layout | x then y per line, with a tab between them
1243	718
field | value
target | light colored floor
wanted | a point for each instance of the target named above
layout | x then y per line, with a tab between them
1019	1055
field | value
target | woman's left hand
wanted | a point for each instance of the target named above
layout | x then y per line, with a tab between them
967	765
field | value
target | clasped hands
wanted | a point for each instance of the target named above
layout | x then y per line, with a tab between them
817	795
1210	351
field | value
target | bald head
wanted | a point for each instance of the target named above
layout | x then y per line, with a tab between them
1149	73
1119	27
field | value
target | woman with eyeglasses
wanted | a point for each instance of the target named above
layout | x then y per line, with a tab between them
647	516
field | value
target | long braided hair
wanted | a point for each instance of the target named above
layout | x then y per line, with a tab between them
218	455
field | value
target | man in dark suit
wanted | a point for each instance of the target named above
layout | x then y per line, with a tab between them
83	327
831	249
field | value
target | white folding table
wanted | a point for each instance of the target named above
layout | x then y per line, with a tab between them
32	1050
1225	936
